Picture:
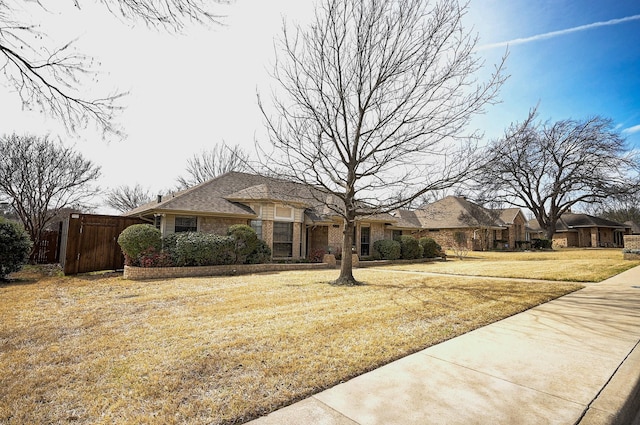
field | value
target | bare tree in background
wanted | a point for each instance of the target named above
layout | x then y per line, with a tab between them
51	79
548	168
372	102
125	198
212	163
620	209
40	178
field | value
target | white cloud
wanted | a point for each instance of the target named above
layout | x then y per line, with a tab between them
559	33
632	130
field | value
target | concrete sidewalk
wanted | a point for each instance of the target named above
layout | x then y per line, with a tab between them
573	360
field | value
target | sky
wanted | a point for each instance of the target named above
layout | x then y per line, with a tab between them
189	91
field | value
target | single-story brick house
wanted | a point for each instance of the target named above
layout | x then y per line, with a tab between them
293	219
296	221
455	219
584	231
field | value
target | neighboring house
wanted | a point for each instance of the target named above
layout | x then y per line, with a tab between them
583	231
293	219
635	227
456	220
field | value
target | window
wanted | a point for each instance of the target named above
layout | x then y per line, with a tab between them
186	224
396	235
460	238
257	226
365	238
282	239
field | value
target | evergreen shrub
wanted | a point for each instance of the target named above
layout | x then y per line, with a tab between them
386	249
431	249
261	254
409	248
203	249
245	241
15	247
137	239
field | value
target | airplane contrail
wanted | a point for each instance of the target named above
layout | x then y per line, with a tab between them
558	33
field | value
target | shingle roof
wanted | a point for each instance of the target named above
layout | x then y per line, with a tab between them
406	219
454	212
571	221
508	215
635	228
223	195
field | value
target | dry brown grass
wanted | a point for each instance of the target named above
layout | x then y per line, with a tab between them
577	265
100	350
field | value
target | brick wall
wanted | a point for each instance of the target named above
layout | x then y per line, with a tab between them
632	241
335	237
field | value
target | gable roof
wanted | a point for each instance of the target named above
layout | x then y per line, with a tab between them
508	215
456	212
222	195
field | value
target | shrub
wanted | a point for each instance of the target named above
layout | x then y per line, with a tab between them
317	255
541	244
245	241
431	248
169	243
203	249
260	255
15	247
153	258
139	238
409	247
386	249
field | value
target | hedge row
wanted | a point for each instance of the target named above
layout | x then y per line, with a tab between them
144	246
406	247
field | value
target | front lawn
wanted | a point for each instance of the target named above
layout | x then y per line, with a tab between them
574	265
98	350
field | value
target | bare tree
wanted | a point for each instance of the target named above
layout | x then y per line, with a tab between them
481	220
548	168
374	97
40	178
125	198
51	78
620	209
212	163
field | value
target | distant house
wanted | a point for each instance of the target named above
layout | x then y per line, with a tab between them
583	231
635	227
293	219
455	219
296	220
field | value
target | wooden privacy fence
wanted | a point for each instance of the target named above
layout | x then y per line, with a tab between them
90	242
48	250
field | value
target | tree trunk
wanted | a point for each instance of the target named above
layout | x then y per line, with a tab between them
549	232
346	265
